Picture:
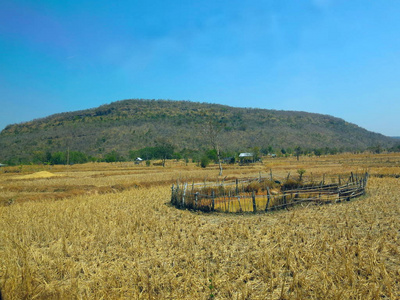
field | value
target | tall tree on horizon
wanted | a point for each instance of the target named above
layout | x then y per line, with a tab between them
165	149
212	131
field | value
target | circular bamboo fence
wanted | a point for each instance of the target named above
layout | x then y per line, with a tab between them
266	193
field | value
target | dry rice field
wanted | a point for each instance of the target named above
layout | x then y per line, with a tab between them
106	231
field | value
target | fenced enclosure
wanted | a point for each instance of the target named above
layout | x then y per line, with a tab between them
266	193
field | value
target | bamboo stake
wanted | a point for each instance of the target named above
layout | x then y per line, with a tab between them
212	201
240	206
172	195
229	200
254	202
184	194
237	187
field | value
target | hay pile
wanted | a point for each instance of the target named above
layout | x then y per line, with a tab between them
37	175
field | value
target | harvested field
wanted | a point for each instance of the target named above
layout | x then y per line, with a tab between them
131	244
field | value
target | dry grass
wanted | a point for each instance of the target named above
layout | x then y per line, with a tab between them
130	244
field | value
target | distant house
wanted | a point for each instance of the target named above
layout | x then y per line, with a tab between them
246	158
2	165
138	160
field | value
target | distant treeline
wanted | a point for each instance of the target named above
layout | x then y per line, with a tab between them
168	151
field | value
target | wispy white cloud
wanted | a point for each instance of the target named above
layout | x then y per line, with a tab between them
322	4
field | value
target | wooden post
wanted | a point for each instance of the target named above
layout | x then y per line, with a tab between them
177	194
212	201
224	201
240	206
237	187
184	194
268	197
229	200
254	202
172	195
196	198
284	199
270	174
365	182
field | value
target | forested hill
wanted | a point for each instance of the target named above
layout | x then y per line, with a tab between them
134	124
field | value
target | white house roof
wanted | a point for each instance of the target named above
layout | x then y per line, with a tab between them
246	155
138	159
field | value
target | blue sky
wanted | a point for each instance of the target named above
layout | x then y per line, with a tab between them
340	58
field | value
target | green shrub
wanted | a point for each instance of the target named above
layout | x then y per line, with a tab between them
204	162
301	173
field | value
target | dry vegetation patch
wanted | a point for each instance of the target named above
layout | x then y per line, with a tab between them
131	245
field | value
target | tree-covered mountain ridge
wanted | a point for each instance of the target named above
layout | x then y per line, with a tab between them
134	124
